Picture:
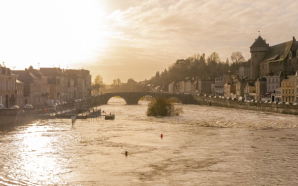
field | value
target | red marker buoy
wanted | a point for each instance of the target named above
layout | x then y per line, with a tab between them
161	136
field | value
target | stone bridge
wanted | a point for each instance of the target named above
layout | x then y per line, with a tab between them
132	98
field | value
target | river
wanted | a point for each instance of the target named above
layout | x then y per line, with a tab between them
203	146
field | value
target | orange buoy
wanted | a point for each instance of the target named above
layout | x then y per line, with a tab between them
161	136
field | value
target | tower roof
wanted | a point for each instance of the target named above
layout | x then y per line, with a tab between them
259	42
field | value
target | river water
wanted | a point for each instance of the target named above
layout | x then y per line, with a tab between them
203	146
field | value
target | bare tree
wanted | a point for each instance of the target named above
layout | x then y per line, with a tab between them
98	84
237	57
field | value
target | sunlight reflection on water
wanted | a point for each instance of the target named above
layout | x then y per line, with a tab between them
205	145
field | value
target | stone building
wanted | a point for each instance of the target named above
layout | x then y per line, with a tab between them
34	91
53	76
7	87
288	90
240	85
172	87
273	82
82	82
244	70
20	93
194	87
261	88
229	90
219	84
204	86
249	91
267	59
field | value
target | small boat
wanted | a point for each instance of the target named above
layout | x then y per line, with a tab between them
110	117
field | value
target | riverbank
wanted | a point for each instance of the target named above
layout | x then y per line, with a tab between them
267	107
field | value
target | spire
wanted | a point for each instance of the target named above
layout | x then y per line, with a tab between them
259	42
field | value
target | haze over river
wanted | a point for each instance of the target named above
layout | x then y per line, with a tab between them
203	146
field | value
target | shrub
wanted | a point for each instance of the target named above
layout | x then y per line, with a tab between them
162	107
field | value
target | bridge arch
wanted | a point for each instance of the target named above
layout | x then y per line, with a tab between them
132	98
110	100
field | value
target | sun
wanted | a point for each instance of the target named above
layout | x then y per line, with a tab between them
51	33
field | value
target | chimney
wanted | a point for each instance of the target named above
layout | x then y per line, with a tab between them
294	39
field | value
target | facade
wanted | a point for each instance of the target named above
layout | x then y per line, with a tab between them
37	86
240	85
7	87
277	95
82	82
20	93
180	86
219	84
171	87
213	88
249	91
194	87
261	88
204	86
267	59
244	70
187	85
229	90
273	82
288	89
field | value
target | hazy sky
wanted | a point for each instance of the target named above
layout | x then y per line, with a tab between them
136	38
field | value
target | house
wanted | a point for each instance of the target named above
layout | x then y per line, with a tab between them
32	87
244	70
273	81
220	81
194	87
53	76
204	86
261	88
229	90
180	86
172	87
20	94
7	87
288	89
249	91
267	59
82	82
240	85
187	85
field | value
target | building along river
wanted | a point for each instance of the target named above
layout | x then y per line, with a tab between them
203	146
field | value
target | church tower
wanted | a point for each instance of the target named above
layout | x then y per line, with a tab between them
258	51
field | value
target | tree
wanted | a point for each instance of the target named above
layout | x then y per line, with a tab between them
237	57
214	57
117	82
98	84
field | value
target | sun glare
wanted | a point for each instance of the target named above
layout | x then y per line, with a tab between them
50	32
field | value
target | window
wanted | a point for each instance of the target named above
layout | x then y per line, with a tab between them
290	55
292	91
286	91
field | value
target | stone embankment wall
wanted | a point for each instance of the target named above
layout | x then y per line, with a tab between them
8	116
268	107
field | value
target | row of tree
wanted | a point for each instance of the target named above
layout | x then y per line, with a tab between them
196	66
199	66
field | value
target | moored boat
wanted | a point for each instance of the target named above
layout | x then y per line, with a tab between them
110	117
